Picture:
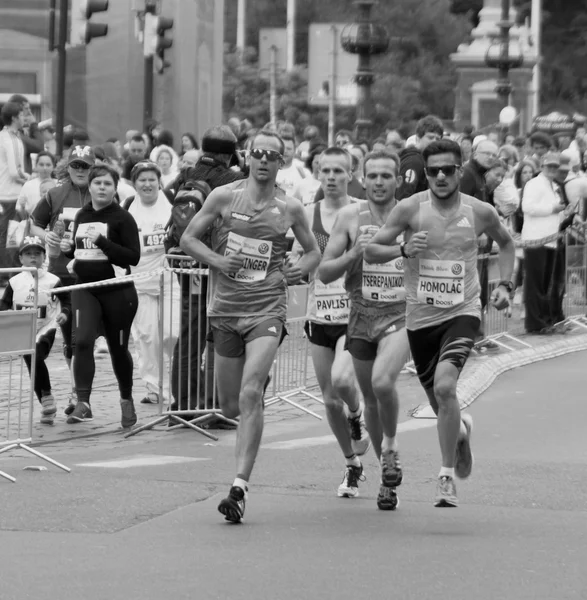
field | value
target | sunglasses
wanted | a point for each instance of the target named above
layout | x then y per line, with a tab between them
79	166
272	155
447	170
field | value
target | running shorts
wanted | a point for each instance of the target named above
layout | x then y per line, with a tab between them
367	328
323	335
450	341
232	334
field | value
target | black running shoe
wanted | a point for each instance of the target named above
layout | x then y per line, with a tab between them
80	414
129	415
387	499
233	506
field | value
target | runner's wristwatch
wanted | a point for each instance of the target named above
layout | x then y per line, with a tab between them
402	249
508	285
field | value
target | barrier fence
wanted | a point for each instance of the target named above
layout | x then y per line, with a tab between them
17	396
575	299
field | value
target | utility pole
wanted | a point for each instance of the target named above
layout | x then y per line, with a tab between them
241	27
61	73
536	29
150	8
291	35
332	87
273	86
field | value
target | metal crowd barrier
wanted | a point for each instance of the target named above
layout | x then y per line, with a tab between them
495	322
575	299
17	396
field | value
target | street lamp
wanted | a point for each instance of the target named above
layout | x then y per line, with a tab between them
366	39
498	56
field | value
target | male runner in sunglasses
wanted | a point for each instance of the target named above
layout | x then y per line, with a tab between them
249	220
443	311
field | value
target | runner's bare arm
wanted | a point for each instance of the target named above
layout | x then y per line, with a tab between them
190	241
336	260
378	249
297	251
495	229
301	228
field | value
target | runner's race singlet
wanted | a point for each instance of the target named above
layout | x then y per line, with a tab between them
259	287
442	282
328	303
375	286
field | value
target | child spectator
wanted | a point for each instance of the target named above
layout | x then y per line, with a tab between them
19	295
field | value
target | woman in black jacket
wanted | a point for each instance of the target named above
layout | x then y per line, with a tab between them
105	244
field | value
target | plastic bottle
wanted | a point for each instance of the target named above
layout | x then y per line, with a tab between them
59	229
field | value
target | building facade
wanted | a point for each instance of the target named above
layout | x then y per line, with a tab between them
105	80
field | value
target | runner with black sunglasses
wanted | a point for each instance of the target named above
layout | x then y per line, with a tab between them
443	312
249	220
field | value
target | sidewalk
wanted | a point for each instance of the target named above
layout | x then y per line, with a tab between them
106	408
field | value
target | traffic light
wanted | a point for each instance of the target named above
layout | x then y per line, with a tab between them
163	43
155	43
82	31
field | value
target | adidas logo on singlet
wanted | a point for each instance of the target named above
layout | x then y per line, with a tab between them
464	222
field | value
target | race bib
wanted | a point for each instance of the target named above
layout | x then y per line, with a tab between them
441	283
332	302
86	249
257	254
68	216
384	282
153	242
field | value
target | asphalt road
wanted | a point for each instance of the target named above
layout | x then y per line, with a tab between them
137	519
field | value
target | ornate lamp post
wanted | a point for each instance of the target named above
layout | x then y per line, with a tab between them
498	56
366	39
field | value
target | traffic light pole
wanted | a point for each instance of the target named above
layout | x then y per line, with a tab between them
61	74
148	92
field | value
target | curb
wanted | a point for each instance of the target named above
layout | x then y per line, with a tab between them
484	373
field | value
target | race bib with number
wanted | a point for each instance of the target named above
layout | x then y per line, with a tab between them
441	283
384	282
86	249
257	254
332	302
68	216
153	242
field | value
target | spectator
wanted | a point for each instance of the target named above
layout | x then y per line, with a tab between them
168	161
49	141
188	142
38	186
29	133
394	141
378	144
540	144
311	136
473	179
307	188
12	176
544	264
575	186
80	137
137	147
290	174
466	148
428	129
343	138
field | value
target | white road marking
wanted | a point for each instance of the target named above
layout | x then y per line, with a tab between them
324	440
141	460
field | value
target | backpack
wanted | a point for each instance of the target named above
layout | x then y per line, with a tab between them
187	202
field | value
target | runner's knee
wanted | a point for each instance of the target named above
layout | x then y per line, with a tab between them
445	388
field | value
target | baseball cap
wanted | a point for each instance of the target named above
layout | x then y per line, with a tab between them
83	154
31	241
551	158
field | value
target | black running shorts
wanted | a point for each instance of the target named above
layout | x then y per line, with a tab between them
323	335
232	334
450	341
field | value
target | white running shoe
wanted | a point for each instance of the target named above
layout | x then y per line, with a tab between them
464	459
349	487
360	440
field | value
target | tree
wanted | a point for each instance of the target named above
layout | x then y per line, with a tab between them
415	78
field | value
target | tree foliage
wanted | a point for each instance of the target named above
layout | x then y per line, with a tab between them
414	78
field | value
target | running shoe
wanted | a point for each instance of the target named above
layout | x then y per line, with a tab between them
349	487
49	408
360	440
464	459
151	398
387	499
81	413
446	492
72	401
391	469
233	506
129	415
